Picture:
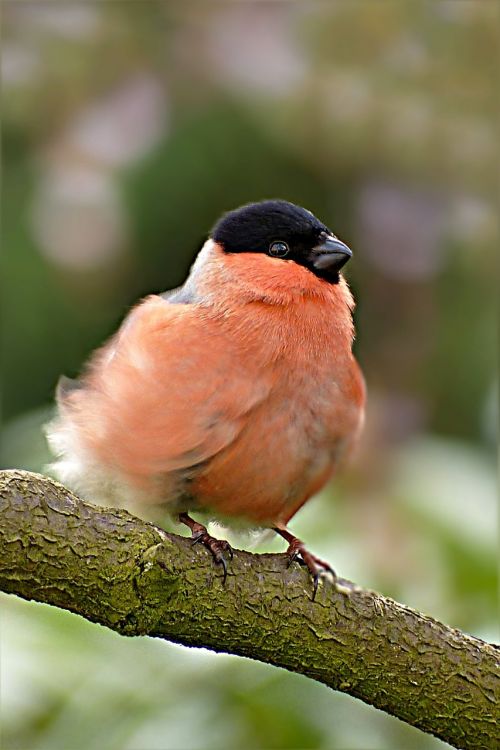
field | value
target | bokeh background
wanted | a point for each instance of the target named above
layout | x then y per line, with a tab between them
128	127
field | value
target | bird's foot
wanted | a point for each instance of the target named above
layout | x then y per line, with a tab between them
297	552
217	547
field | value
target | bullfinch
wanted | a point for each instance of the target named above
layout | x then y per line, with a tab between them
236	394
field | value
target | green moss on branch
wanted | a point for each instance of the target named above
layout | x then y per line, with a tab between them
134	578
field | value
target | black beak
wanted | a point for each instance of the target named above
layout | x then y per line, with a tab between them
330	254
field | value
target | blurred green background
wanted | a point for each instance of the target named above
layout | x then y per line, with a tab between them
128	127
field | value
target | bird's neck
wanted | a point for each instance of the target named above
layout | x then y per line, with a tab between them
290	300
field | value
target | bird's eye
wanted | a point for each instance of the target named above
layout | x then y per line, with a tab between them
278	249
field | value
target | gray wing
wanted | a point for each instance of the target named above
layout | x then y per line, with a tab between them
181	295
65	386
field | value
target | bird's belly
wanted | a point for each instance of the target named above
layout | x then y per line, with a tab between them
287	452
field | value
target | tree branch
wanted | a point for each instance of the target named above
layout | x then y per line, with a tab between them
134	578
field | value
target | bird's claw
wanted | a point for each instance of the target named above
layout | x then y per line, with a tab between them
217	547
317	567
295	557
315	585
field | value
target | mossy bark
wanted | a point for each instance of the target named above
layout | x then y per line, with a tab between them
134	578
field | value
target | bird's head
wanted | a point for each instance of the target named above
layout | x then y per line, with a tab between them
284	232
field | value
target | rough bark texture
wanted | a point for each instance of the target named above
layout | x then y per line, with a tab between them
134	578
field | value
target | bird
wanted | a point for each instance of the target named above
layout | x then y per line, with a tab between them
236	394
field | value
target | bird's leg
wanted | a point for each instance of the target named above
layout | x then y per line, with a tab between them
297	551
217	547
